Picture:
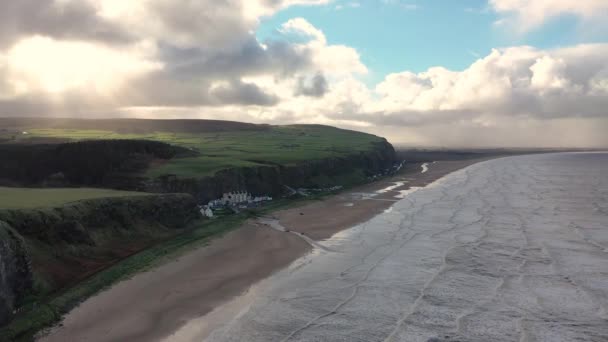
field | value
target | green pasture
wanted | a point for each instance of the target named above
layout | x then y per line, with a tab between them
19	198
283	145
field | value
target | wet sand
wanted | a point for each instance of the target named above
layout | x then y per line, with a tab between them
322	219
155	304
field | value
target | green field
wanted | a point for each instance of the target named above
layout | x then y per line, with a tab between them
19	198
283	145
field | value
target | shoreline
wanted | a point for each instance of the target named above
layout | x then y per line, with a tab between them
155	304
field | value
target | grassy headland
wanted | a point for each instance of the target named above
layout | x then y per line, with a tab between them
285	145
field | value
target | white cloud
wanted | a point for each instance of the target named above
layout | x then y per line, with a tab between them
41	63
409	6
525	15
303	27
332	59
353	4
163	58
513	81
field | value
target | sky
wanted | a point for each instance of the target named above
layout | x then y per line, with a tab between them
437	73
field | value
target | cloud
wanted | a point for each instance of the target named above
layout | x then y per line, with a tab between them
237	92
408	6
147	53
335	59
46	64
161	58
353	4
315	86
525	15
65	19
517	81
525	96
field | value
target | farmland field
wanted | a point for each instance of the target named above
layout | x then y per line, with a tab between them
219	150
18	198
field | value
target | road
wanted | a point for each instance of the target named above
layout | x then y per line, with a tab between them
512	249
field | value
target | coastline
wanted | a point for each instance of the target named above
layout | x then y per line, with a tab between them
155	304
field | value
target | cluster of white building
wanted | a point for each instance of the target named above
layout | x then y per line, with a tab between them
234	198
240	199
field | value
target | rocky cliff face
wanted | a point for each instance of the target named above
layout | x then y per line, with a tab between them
15	271
271	179
58	246
79	222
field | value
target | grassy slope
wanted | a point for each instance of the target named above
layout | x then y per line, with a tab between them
47	312
220	150
19	198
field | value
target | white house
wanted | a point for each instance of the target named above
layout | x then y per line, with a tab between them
234	198
237	198
209	212
206	211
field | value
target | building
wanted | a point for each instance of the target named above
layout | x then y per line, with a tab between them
235	198
209	212
240	199
206	211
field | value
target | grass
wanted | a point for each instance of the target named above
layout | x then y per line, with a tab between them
20	198
285	145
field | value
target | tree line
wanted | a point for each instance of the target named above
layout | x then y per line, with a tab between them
83	163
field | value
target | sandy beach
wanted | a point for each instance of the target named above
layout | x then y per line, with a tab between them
154	304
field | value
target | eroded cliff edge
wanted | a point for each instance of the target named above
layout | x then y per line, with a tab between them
45	250
271	179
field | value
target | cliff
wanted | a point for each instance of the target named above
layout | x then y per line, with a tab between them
272	178
15	271
48	249
44	250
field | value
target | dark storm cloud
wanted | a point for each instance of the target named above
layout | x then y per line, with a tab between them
198	43
241	93
250	58
163	89
69	20
315	87
189	72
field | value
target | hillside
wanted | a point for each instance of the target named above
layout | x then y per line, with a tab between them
220	146
201	157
